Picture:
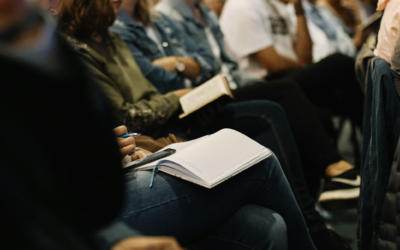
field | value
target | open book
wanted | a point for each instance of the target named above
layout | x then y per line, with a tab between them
204	94
211	159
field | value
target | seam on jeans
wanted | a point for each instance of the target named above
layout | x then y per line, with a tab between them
294	188
371	179
231	241
162	203
178	198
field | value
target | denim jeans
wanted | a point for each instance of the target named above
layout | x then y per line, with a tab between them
253	210
266	123
380	136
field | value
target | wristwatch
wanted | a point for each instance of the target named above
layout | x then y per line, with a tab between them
180	67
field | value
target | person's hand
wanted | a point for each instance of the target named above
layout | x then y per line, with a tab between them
140	154
182	92
168	63
127	145
147	243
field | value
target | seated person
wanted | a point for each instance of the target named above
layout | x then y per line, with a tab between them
300	113
170	64
347	16
388	29
52	189
261	36
339	40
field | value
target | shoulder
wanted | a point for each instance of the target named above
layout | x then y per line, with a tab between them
76	44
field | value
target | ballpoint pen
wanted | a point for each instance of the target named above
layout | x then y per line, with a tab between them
129	135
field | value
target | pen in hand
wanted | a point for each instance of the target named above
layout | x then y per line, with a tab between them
129	135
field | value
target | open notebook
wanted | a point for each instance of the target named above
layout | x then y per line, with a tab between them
212	159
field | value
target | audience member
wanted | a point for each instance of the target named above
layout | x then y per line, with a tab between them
300	113
388	29
167	57
325	20
56	193
262	37
348	18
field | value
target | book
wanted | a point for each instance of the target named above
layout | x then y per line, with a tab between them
210	160
204	94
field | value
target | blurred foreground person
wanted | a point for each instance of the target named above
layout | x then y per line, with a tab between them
59	187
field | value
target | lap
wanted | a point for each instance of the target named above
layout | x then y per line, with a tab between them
185	210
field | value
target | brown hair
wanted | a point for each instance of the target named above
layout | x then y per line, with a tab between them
83	18
144	12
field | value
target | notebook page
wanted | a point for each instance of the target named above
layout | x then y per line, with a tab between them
177	146
218	154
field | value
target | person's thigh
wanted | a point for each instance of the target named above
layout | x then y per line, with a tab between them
186	211
252	227
331	83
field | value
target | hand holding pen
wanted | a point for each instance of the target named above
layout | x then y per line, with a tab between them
126	141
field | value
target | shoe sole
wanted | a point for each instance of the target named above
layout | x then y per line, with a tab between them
337	205
345	194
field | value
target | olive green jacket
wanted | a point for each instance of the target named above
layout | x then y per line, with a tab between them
137	102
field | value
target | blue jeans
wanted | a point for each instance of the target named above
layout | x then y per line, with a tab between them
265	122
380	136
253	210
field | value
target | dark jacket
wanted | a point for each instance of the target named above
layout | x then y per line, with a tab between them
381	132
131	94
389	234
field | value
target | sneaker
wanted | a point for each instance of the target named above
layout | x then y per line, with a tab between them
330	241
342	191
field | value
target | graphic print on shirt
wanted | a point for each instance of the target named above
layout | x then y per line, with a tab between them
278	25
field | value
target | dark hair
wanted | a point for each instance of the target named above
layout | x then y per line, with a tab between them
83	18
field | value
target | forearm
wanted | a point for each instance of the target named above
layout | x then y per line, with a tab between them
274	62
303	45
192	68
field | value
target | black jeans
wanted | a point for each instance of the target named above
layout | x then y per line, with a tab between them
315	147
330	84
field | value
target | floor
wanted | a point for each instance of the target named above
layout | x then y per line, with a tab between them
345	222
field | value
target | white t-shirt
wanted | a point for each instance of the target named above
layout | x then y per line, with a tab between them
217	53
152	34
250	26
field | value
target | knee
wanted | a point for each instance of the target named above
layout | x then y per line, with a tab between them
267	227
270	109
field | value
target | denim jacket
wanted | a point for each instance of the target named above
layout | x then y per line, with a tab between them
178	10
175	43
381	132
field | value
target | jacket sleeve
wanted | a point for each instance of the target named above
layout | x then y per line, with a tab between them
163	80
199	54
147	114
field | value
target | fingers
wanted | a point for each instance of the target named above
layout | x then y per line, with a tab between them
148	243
139	155
123	142
127	150
121	130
